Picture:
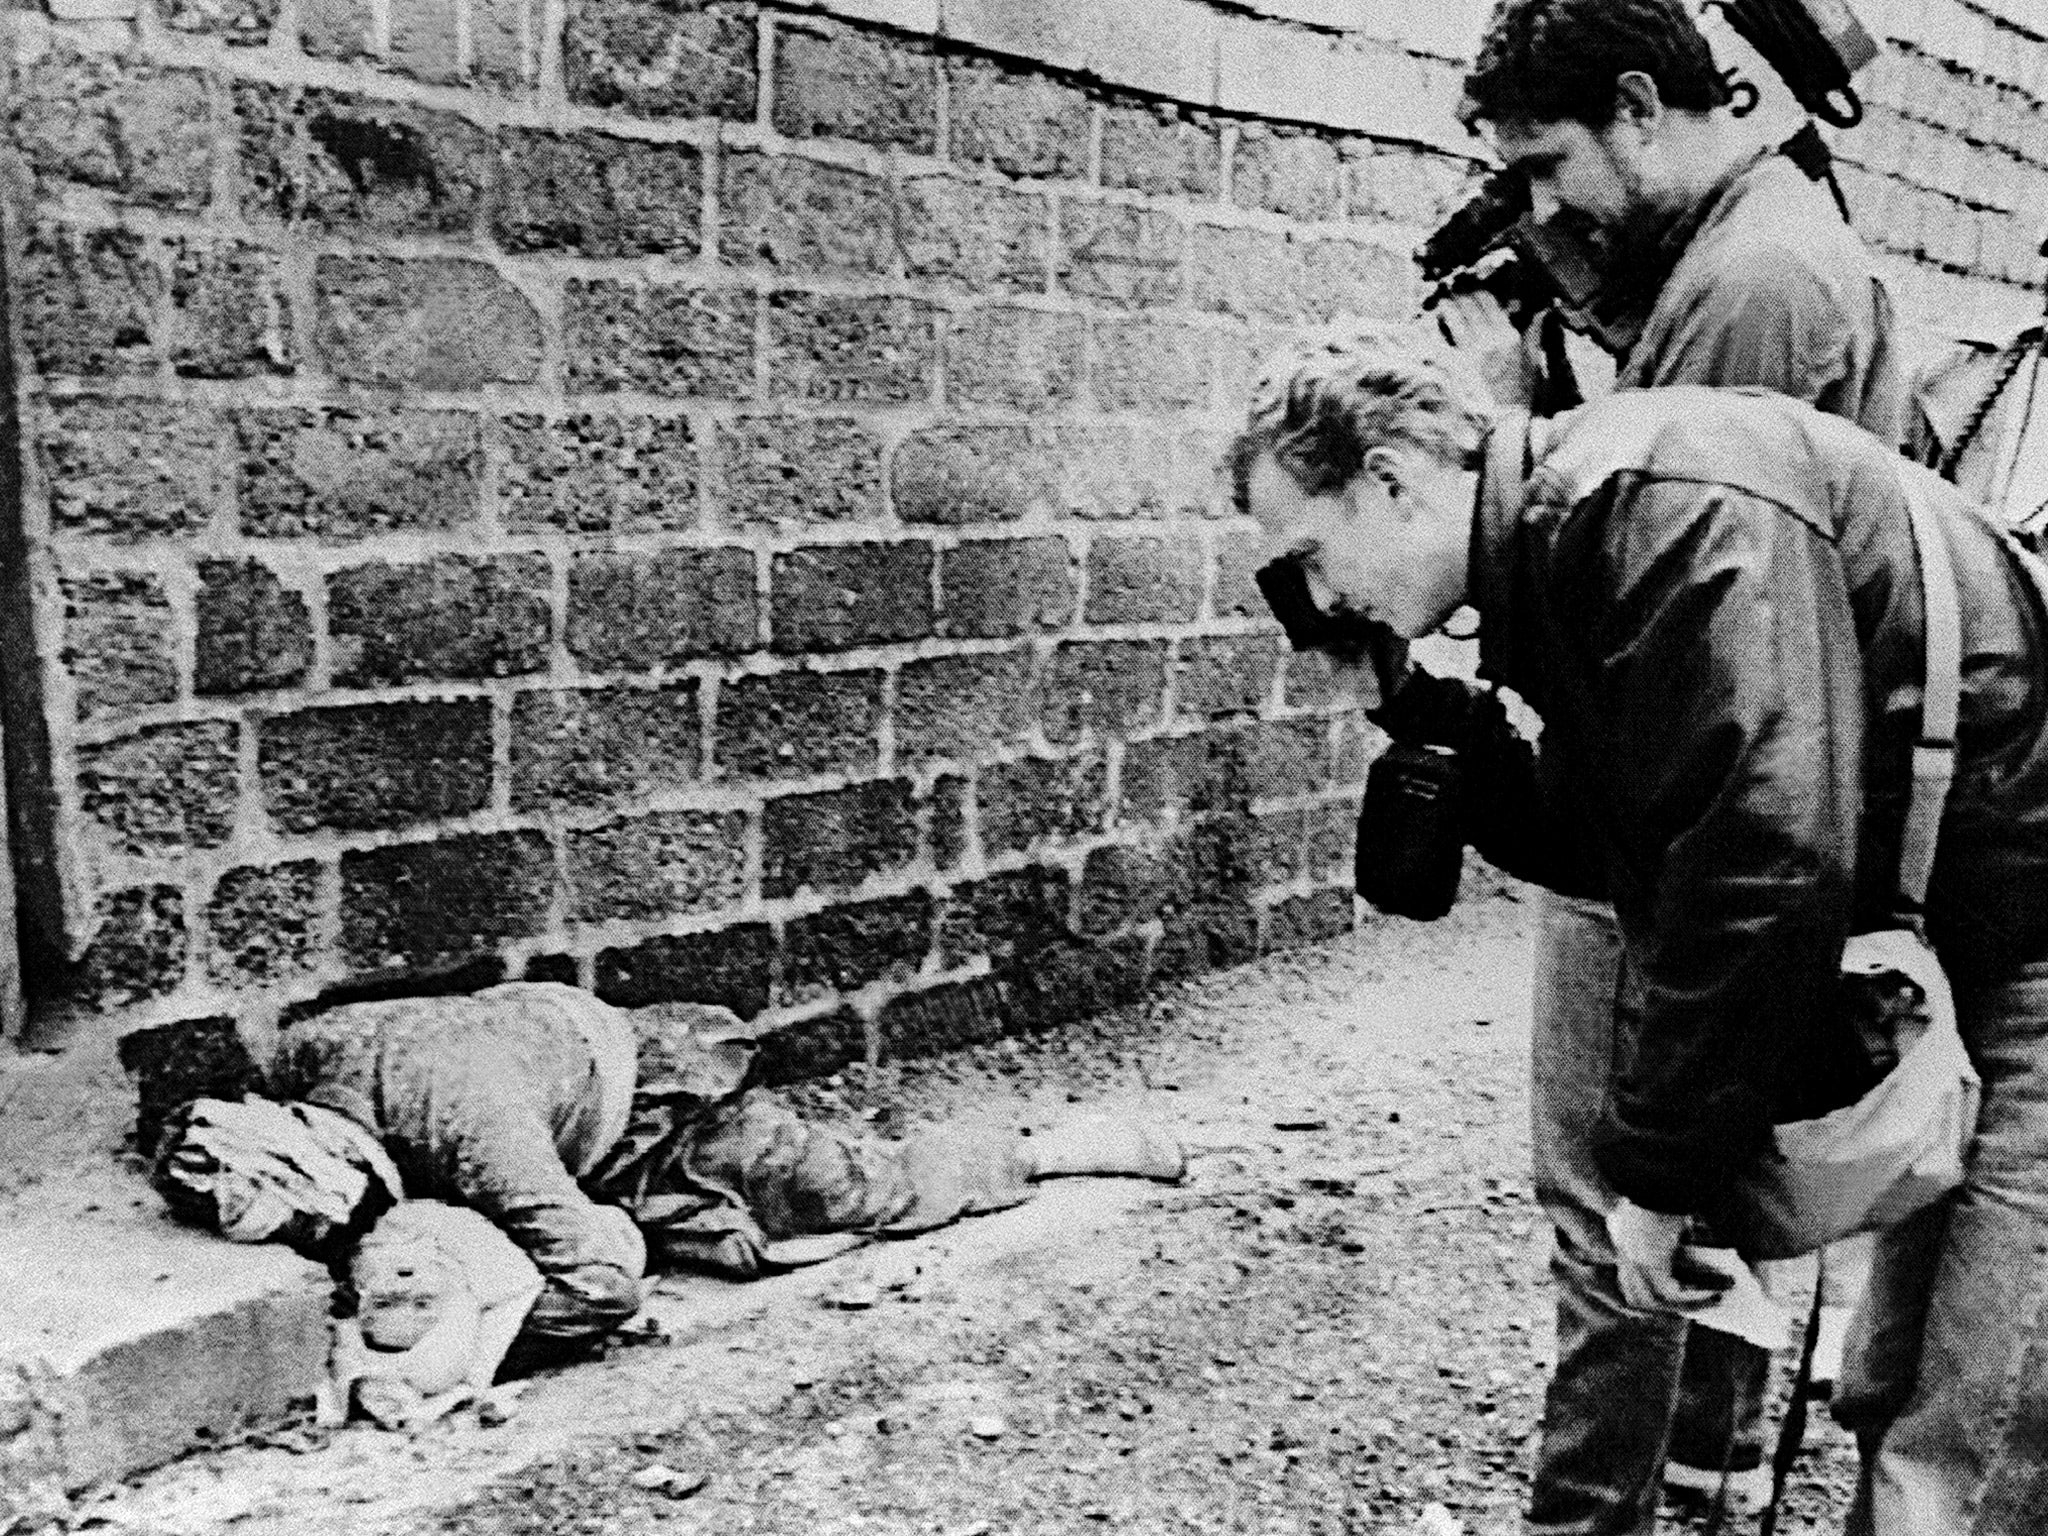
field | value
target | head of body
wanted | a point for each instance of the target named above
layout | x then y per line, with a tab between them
1611	111
1360	459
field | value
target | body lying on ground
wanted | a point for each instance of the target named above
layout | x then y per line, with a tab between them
595	1138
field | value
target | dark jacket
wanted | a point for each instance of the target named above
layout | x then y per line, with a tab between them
1712	595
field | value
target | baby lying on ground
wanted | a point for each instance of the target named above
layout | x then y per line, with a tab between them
594	1139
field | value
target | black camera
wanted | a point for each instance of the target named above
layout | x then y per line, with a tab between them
1542	272
1410	847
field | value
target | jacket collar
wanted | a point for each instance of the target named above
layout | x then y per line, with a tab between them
1508	456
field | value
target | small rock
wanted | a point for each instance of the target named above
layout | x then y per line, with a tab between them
493	1412
673	1482
856	1297
987	1427
1304	1120
1436	1520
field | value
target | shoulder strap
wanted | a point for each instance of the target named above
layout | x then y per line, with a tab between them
1934	755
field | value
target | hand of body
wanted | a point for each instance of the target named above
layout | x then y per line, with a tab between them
1653	1264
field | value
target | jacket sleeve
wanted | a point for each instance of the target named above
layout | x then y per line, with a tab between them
1720	700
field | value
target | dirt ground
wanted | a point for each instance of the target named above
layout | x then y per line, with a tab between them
1339	1320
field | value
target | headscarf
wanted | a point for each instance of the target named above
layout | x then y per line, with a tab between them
258	1169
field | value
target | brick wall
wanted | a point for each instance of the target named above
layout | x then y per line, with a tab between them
714	500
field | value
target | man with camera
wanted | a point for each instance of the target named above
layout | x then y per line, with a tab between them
1713	264
1712	600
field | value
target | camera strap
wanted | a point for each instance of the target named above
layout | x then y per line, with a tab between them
1934	754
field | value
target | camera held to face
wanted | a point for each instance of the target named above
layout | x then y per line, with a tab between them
1410	843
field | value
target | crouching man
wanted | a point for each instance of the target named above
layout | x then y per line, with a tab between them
1712	598
596	1140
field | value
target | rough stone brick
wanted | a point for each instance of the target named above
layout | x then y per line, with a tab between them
729	967
1285	171
657	866
809	1048
262	923
246	23
88	301
792	725
630	612
229	317
834	347
334	29
133	469
597	474
1309	681
1020	359
1144	580
657	58
996	587
799	215
425	41
428	322
585	747
347	474
138	948
1161	150
1332	833
1236	594
1353	277
1118	470
119	645
782	470
962	707
596	194
972	474
1108	687
1114	254
1225	676
1281	852
843	949
504	37
948	808
1037	798
1008	917
1240	359
1016	121
840	82
1310	918
144	134
1222	771
165	790
1223	855
972	237
1253	274
948	1017
665	339
1123	884
367	767
1207	937
348	164
451	617
1357	743
1151	365
829	597
1077	981
425	904
837	839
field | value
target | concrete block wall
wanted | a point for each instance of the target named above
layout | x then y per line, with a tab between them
705	500
716	500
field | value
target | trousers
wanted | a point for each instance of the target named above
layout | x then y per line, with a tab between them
1945	1372
1629	1389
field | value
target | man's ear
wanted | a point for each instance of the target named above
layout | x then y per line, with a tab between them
1387	468
1637	101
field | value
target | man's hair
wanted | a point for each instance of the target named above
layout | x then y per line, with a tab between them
1548	61
1321	405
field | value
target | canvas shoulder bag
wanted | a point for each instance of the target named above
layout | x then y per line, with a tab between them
1901	1145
